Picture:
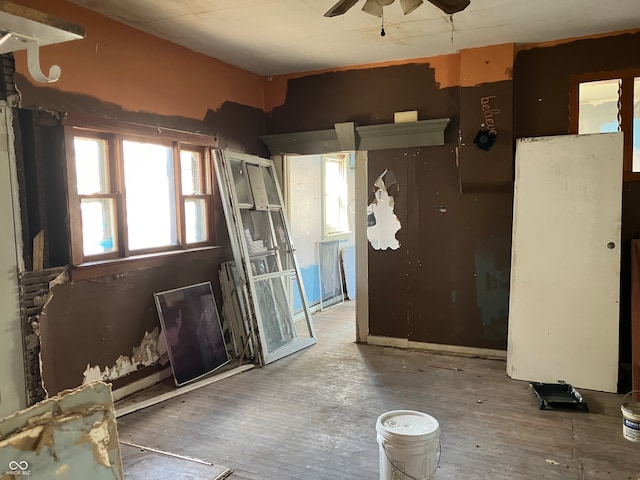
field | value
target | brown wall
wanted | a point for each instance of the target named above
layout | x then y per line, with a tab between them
366	96
93	322
541	81
448	281
120	73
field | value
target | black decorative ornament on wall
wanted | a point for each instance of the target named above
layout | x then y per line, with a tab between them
484	139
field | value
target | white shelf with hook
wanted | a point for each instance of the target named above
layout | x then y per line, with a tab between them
23	28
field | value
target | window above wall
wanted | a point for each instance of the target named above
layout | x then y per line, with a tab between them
137	192
335	194
610	102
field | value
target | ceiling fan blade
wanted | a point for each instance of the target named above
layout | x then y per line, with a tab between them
372	8
451	6
340	8
409	6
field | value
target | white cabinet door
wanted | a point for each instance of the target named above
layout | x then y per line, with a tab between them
565	263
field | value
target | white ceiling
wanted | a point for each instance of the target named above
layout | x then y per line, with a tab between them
270	37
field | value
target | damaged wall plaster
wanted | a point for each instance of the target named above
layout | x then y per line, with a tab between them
72	435
382	222
35	293
149	352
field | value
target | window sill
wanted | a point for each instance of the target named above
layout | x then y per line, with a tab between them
631	176
341	236
104	268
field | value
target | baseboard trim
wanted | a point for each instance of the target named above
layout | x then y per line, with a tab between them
139	385
438	348
126	409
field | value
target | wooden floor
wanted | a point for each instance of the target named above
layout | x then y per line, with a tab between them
312	416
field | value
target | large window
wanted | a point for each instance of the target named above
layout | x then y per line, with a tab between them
610	103
131	193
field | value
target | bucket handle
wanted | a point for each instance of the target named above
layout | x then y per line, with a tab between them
405	473
632	391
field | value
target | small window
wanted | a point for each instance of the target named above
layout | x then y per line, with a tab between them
194	196
134	194
97	201
335	194
610	103
599	106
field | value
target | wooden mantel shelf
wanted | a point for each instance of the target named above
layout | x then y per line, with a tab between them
349	136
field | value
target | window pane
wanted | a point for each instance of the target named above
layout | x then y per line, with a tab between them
279	328
282	242
195	218
98	226
92	171
636	124
240	180
257	233
270	185
335	196
191	174
150	193
599	107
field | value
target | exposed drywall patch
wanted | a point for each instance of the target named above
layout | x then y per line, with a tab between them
31	440
144	355
72	435
35	292
382	222
62	278
99	438
488	64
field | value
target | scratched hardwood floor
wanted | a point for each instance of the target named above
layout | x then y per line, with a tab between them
312	416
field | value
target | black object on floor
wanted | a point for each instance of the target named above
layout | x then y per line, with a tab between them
558	395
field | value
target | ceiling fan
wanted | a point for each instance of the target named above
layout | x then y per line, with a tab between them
374	7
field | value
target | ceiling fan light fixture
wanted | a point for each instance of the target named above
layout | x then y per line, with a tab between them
409	6
451	6
372	7
340	8
385	3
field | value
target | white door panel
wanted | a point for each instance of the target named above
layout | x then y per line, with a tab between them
565	266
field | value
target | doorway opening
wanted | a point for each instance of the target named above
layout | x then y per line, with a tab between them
320	199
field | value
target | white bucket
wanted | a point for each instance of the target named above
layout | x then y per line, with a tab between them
631	419
409	445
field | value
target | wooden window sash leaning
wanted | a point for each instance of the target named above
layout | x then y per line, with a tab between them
625	110
114	198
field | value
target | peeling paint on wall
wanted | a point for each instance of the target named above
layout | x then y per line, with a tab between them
146	354
72	435
98	436
59	280
382	222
